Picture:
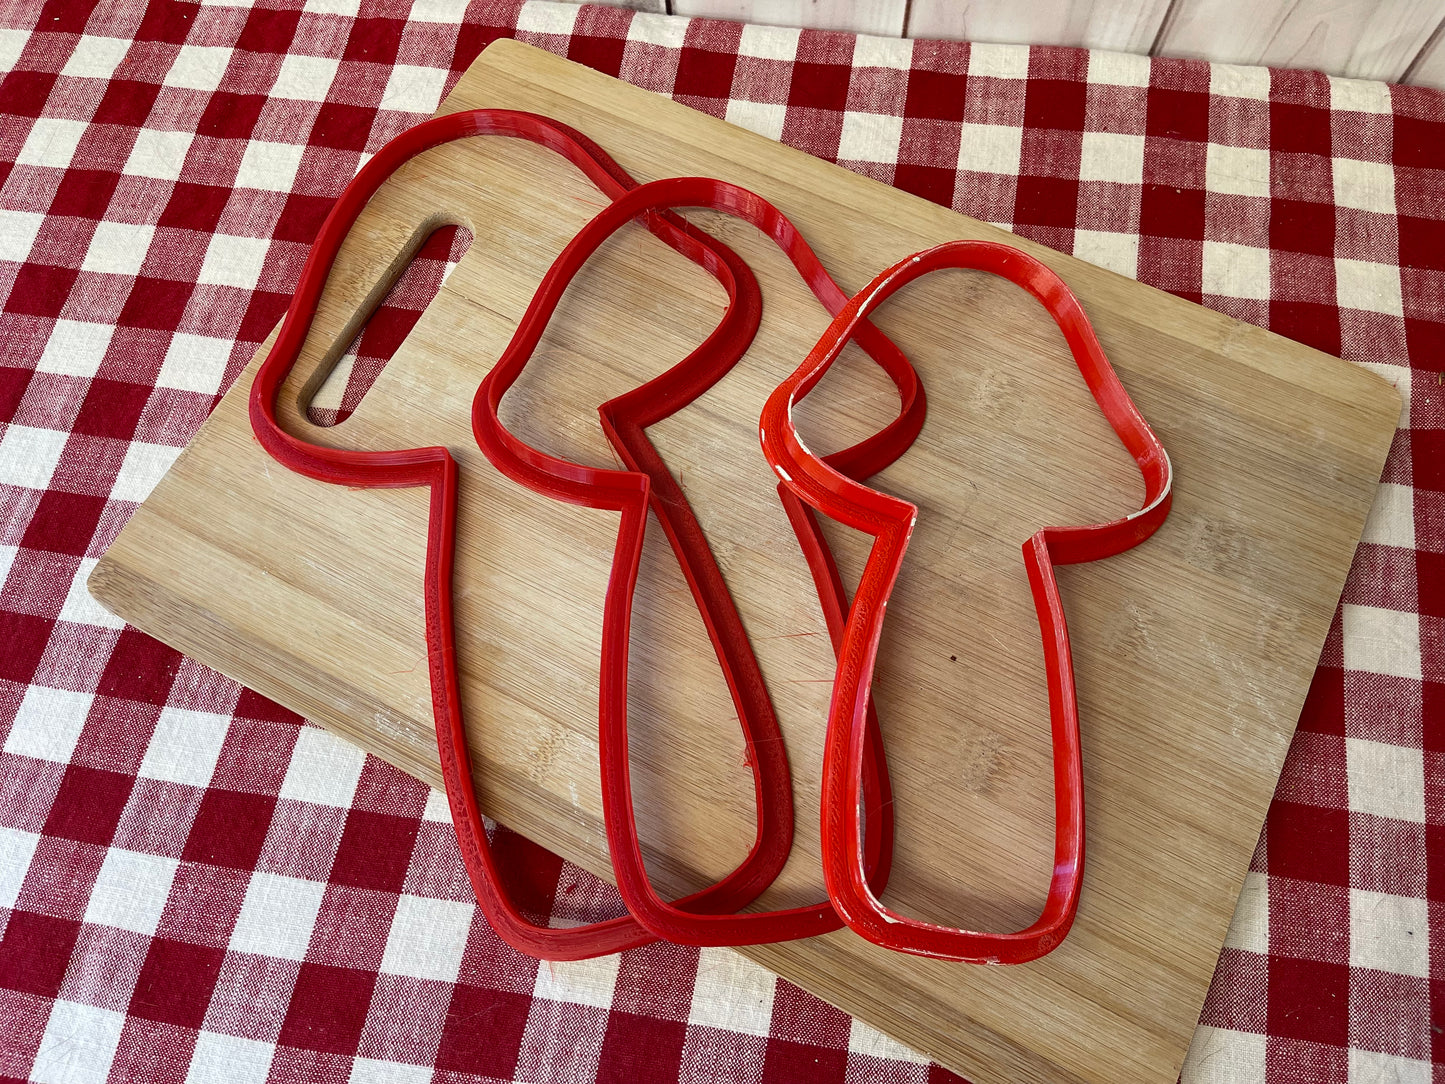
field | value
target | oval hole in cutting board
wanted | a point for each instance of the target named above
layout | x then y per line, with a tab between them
384	331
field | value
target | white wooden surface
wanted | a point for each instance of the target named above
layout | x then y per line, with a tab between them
1128	26
1393	40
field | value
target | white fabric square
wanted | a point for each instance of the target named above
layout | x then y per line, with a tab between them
17	233
437	807
229	1058
80	607
1392	516
51	142
546	18
16	850
765	118
1118	69
277	916
1112	156
872	52
270	167
194	363
990	148
118	248
158	154
1220	1056
332	7
28	455
234	261
866	1039
1249	929
96	57
413	89
1385	779
1388	932
376	1071
7	558
769	42
12	44
438	11
145	464
1364	284
78	1045
427	938
1239	81
649	28
1118	252
999	61
1367	186
48	723
198	67
1372	1067
870	137
323	769
75	348
732	992
304	78
131	890
1238	171
580	982
1359	95
185	746
1235	270
1381	641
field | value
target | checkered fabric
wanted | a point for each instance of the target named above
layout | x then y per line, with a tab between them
195	886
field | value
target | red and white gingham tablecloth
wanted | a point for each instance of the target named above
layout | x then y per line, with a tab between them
194	886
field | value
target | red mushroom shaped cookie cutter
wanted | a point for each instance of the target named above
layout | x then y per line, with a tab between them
890	520
647	483
435	468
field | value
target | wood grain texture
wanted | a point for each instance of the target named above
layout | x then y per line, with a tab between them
1366	39
1126	25
883	18
1193	652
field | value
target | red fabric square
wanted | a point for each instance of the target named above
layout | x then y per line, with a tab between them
786	1062
1309	1000
375	850
88	804
935	95
268	31
1428	446
1418	143
328	1008
175	982
704	72
24	93
820	86
229	829
1055	103
40	290
1299	128
13	383
195	207
1324	708
1312	324
111	408
35	952
342	127
931	182
639	1048
1168	211
300	221
64	522
84	193
1302	226
140	668
156	303
127	102
1308	842
1046	201
490	1051
1178	114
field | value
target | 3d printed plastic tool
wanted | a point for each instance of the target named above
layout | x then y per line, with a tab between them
648	483
891	520
435	469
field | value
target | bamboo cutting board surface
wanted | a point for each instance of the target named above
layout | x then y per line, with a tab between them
1193	652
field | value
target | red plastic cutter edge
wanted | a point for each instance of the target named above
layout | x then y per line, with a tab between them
648	483
436	469
891	521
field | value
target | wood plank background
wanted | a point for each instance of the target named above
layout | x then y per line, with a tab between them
1394	40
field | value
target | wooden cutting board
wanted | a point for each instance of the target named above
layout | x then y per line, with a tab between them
1194	651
